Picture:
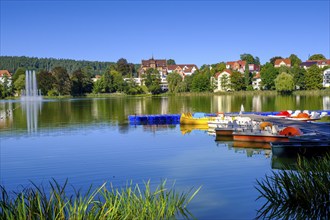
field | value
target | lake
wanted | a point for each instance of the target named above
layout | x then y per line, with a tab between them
89	141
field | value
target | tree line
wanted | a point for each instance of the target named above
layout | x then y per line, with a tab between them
119	77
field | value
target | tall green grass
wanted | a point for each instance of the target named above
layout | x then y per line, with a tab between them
297	194
130	202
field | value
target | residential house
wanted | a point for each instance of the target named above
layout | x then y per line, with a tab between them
308	64
282	62
253	68
3	75
182	69
319	63
160	65
236	65
326	78
222	81
256	81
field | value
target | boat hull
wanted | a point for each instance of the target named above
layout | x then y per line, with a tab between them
259	137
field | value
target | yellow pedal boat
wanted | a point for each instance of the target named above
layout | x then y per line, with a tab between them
189	119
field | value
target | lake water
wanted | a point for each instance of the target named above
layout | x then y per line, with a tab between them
89	141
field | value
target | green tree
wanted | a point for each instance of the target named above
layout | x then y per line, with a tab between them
237	81
295	61
152	79
19	84
173	79
201	83
62	81
317	57
224	82
98	86
268	75
298	74
247	76
272	60
313	78
123	67
45	81
81	83
19	71
170	62
6	87
107	79
248	58
118	81
284	83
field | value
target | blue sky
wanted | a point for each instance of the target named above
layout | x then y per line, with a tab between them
199	32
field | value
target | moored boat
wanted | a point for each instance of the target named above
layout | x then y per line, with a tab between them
189	119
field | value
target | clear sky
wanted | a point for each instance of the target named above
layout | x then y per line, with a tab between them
199	32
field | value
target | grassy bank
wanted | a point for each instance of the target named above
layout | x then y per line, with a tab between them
130	202
297	194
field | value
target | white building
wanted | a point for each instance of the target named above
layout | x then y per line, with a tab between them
222	81
326	78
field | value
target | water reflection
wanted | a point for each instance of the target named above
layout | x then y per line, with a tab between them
32	109
326	102
6	115
248	148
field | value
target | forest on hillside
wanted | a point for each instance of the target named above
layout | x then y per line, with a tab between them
12	63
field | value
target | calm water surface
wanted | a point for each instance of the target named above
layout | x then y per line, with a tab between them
89	141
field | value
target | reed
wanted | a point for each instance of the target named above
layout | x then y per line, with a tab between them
297	194
129	202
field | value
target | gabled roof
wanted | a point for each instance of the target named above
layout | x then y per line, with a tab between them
158	63
287	61
308	63
5	73
224	71
257	76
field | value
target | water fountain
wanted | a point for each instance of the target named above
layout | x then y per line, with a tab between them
31	92
31	100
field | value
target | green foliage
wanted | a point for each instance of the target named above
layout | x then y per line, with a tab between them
247	76
13	63
295	61
155	89
300	194
170	62
216	68
173	80
313	78
272	60
237	81
98	86
225	82
130	202
268	75
250	59
62	81
20	71
19	84
81	83
45	81
298	74
123	67
284	83
317	57
201	83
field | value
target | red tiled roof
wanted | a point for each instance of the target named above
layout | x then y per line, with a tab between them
257	76
226	70
158	63
5	72
287	61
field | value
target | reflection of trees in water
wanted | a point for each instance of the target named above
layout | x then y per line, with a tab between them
303	193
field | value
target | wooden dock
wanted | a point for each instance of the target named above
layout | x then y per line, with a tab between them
323	129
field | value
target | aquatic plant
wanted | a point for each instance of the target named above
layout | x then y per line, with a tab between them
130	202
303	193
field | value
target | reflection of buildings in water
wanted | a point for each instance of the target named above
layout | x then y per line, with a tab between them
222	103
32	109
256	103
297	100
164	105
6	115
326	102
